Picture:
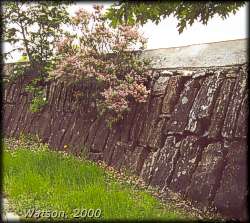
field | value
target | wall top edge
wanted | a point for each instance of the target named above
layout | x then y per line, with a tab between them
216	54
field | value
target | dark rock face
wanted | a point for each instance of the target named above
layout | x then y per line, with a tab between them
138	122
173	90
153	112
100	138
230	198
179	117
155	138
112	140
190	153
207	175
190	136
121	154
203	104
220	108
241	125
234	105
162	164
135	158
160	85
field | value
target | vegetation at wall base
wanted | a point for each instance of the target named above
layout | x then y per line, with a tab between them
40	179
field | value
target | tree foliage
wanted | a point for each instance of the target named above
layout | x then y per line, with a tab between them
187	12
99	54
33	27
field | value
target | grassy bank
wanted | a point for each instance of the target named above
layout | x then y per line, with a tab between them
38	179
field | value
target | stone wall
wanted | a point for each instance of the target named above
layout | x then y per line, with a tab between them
190	136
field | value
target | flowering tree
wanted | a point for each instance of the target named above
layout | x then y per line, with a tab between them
107	56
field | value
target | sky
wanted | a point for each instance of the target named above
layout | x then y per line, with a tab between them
165	34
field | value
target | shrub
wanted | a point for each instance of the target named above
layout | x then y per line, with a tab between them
39	94
108	56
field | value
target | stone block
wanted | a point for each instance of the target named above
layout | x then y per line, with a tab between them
190	153
220	108
207	175
179	117
203	104
164	163
234	106
241	125
172	93
151	117
231	197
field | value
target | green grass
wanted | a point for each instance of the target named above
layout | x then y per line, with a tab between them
35	177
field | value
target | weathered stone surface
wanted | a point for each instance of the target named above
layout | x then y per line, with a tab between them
138	122
95	156
230	198
234	105
148	166
13	90
7	88
70	128
164	163
151	117
78	133
67	125
57	129
190	153
34	125
119	154
135	158
63	95
156	136
203	104
100	138
22	124
44	129
114	137
200	55
241	125
179	117
29	117
14	111
83	129
92	132
199	73
58	97
173	89
7	114
15	93
52	87
19	111
127	124
160	85
207	175
220	109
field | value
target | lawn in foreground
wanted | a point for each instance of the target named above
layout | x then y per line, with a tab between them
36	178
